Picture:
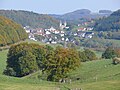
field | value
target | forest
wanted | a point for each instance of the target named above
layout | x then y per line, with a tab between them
108	27
29	18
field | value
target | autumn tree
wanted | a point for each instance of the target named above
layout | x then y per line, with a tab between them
10	32
117	52
60	62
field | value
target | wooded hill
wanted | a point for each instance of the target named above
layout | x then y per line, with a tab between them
109	27
111	23
27	18
10	32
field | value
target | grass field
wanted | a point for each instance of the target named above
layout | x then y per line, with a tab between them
95	75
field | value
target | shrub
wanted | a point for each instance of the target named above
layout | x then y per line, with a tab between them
109	53
87	55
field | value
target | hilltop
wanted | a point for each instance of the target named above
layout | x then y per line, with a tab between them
82	13
27	18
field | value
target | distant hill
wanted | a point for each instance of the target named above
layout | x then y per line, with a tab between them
111	23
109	27
82	13
27	18
10	32
105	11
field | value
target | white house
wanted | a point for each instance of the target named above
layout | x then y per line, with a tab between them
47	32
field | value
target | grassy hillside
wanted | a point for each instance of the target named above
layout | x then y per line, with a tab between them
10	32
95	75
3	57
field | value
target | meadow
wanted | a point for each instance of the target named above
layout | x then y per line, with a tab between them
93	75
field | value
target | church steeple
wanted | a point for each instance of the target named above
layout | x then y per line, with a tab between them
65	23
62	26
60	23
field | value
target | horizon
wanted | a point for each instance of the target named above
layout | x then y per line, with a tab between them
59	7
55	13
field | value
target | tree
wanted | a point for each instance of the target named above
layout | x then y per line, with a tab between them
87	55
117	52
27	64
109	53
90	55
60	62
21	60
83	57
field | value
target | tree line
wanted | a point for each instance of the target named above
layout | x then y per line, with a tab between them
27	18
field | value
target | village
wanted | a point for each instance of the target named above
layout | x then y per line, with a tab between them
63	34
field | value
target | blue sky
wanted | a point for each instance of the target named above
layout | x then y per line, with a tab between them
59	6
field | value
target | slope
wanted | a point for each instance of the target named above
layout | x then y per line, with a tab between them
10	32
106	73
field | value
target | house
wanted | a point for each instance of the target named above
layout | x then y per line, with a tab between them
89	34
63	39
89	29
56	31
81	34
75	34
81	29
52	29
47	32
31	36
62	33
67	39
53	42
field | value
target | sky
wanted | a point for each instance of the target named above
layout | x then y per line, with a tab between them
59	6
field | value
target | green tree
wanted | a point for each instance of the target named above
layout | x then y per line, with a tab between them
82	57
27	64
21	59
109	53
90	55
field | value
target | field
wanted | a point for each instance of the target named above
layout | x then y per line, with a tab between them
95	75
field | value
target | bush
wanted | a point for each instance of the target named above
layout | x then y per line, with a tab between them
109	53
87	55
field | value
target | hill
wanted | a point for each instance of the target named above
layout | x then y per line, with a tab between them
82	13
10	32
111	23
105	11
95	75
27	18
109	27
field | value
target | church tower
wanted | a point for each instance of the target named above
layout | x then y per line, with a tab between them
60	24
65	24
